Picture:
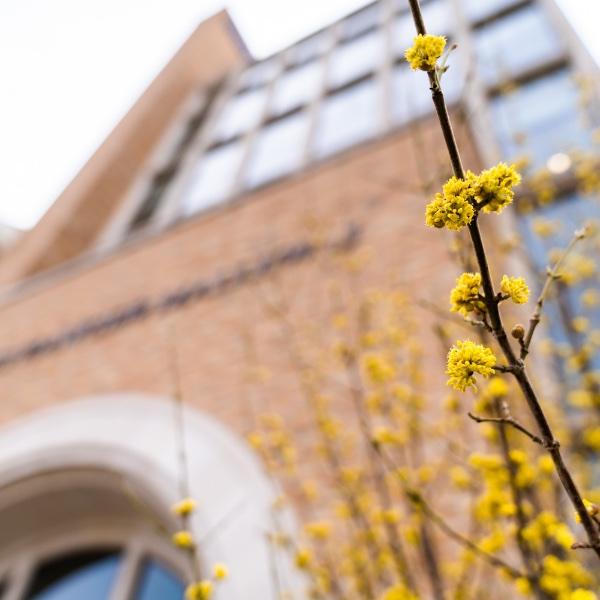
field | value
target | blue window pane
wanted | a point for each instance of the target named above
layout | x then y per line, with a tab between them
258	74
309	49
411	96
362	21
480	9
76	577
356	58
158	583
296	87
568	215
347	118
540	119
278	149
241	113
214	177
501	52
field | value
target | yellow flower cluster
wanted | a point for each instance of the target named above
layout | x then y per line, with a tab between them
303	558
220	571
464	360
455	206
201	590
565	579
590	507
465	297
378	368
515	288
183	539
452	208
546	527
184	507
399	592
318	530
492	188
495	502
425	51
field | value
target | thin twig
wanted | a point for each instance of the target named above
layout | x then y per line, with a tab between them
551	275
508	421
494	314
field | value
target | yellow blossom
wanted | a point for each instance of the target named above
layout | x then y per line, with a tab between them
425	51
202	590
497	387
523	586
464	360
318	530
184	507
515	288
384	435
493	187
303	558
581	594
544	227
452	208
460	477
591	508
590	298
183	539
591	438
465	297
399	592
378	368
220	571
580	324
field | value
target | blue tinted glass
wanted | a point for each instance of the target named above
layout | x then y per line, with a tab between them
92	582
278	149
540	118
158	583
347	118
501	52
480	9
568	215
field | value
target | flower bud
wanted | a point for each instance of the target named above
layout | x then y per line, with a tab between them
518	332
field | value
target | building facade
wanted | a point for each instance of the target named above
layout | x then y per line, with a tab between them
147	278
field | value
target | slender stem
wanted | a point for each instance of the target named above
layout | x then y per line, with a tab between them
495	319
551	275
521	521
508	421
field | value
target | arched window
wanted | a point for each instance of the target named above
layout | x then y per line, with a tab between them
85	495
75	534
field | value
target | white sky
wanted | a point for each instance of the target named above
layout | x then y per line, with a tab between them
70	69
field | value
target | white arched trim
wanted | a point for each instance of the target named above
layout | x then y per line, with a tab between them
132	436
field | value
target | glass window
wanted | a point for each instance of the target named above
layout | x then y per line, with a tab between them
356	58
540	119
567	215
241	113
500	49
88	575
411	96
436	15
258	74
158	583
362	21
309	49
296	87
476	10
347	117
214	177
278	150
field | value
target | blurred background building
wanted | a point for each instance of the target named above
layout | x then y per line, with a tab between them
146	274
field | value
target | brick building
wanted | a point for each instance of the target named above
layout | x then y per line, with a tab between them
224	176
